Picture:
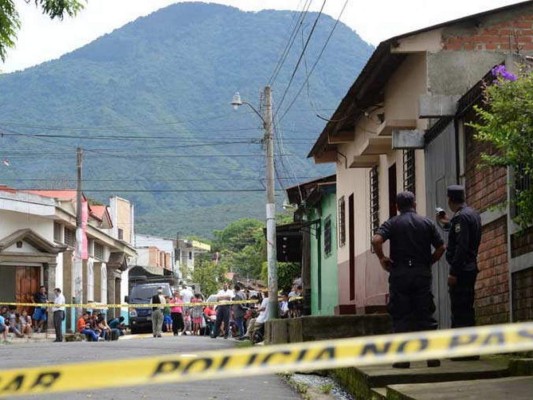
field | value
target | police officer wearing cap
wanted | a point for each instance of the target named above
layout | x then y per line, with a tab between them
463	243
412	237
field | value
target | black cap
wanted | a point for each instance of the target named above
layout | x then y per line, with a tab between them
456	193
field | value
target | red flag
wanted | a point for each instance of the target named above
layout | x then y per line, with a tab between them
84	219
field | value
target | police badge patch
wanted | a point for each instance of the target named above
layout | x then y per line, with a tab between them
457	228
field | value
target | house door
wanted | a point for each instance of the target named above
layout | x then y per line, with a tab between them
441	171
27	282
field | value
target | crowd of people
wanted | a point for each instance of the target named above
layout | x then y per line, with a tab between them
242	320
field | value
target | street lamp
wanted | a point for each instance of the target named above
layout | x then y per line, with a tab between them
270	204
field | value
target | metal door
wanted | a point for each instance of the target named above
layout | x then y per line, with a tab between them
441	171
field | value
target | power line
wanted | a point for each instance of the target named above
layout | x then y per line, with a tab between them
316	62
290	42
301	55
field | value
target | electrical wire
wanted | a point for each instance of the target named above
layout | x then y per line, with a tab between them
301	55
290	42
315	64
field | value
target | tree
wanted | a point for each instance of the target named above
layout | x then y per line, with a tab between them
208	275
506	121
242	246
10	21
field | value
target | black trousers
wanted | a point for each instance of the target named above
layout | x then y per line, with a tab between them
411	304
223	313
177	322
59	316
462	299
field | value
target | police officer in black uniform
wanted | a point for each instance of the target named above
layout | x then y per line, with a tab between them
411	237
463	243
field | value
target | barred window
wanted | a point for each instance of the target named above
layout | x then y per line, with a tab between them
70	237
374	200
342	221
98	251
409	176
327	236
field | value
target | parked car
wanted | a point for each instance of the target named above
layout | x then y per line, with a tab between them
142	293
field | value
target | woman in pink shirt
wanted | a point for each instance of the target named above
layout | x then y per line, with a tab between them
176	313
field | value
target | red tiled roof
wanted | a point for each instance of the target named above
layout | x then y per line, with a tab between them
98	211
5	188
69	194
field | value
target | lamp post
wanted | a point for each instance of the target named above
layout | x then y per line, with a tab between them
271	203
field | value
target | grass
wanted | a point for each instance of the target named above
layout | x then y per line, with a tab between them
326	388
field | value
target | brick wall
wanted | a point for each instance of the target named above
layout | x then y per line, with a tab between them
523	295
513	33
492	287
522	242
486	187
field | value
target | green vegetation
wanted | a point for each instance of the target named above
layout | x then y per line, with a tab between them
208	274
149	104
326	388
506	122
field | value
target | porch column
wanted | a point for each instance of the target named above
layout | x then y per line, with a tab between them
49	280
112	275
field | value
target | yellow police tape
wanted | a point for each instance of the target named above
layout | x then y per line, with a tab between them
339	353
132	305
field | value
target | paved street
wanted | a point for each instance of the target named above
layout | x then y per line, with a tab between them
45	352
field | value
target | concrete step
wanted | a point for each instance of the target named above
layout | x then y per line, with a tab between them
385	375
515	388
521	367
378	394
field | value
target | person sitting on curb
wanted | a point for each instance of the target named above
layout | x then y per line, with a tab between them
3	328
118	324
83	327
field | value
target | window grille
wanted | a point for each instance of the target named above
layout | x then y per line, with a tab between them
374	200
98	251
327	236
409	176
342	221
70	237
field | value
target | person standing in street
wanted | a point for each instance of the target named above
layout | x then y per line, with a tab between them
159	301
411	237
239	310
58	311
223	311
463	243
40	313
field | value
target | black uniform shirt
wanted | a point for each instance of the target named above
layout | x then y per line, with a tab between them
463	240
411	237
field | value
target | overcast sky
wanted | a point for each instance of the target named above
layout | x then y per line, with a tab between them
41	40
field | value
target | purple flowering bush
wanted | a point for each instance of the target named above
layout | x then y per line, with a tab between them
505	120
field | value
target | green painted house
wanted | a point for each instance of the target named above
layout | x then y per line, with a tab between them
315	219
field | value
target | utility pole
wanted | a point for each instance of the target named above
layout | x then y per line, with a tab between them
271	202
270	208
78	262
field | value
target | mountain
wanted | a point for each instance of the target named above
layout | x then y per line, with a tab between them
149	104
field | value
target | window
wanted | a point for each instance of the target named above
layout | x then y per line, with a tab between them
327	236
374	200
190	255
57	231
342	221
120	234
409	176
70	237
98	251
